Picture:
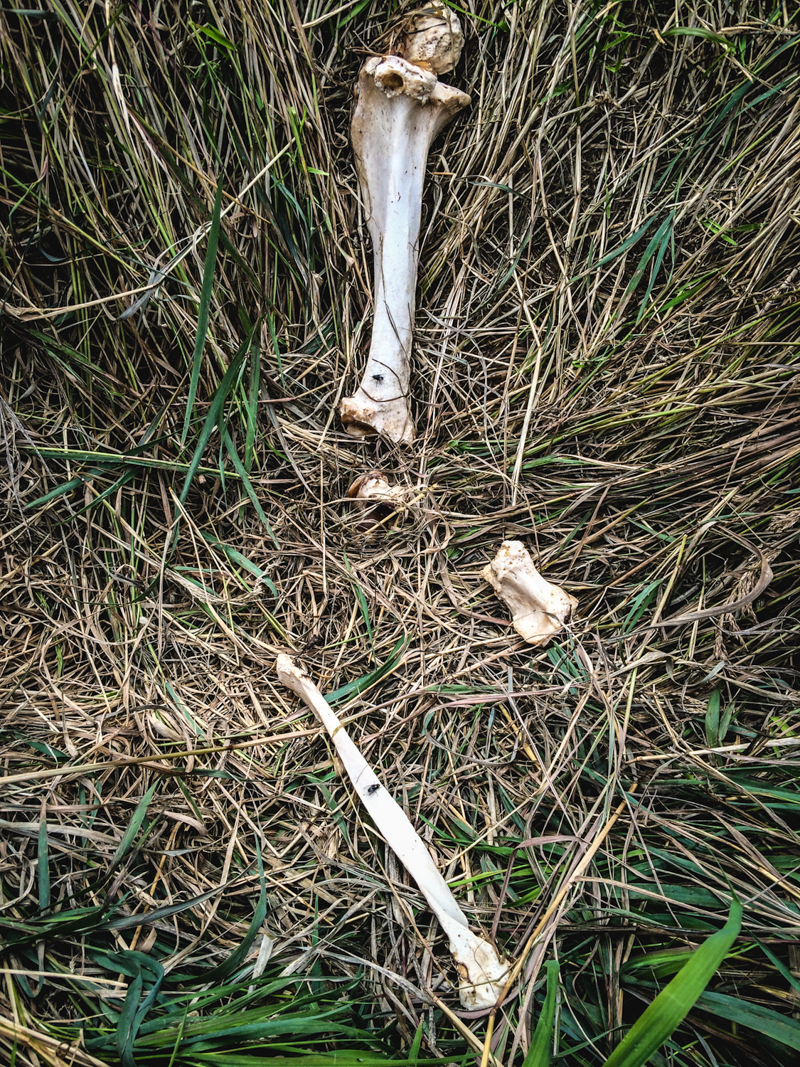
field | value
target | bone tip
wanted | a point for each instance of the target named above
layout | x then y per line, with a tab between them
289	674
483	976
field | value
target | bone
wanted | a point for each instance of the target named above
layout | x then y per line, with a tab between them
401	108
376	501
374	488
482	972
538	608
432	38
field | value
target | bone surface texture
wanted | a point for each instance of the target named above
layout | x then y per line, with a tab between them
481	971
376	502
401	108
433	38
538	608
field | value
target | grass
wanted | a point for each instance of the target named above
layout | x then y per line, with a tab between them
606	367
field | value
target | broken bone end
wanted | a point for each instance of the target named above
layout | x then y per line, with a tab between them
396	76
289	674
539	609
363	418
374	488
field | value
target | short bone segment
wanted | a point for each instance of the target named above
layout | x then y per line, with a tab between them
539	609
482	972
401	108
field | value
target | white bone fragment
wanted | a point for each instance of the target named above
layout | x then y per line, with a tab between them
376	502
374	488
401	108
432	36
538	608
482	972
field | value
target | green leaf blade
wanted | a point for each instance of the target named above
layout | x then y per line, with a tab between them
674	1002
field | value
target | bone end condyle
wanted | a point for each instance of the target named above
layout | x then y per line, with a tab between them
539	609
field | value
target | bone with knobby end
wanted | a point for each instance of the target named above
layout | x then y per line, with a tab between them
401	108
539	609
482	972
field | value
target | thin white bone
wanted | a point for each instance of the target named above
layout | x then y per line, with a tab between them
482	972
401	108
538	608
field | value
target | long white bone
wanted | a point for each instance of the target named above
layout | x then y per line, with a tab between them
481	971
539	609
401	108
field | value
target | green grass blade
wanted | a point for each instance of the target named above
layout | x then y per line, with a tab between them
252	407
539	1053
712	719
43	866
358	686
615	253
248	485
239	954
781	967
214	413
673	1003
130	922
202	314
134	825
763	1020
639	605
657	241
235	556
60	490
362	600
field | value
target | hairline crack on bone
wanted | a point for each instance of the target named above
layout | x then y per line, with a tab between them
401	108
482	971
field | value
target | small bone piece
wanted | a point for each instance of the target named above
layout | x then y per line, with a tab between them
373	488
432	36
481	971
401	108
539	610
376	501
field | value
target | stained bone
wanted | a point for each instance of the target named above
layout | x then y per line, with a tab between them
482	972
401	108
432	37
538	608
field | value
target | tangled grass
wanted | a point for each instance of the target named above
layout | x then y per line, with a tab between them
606	367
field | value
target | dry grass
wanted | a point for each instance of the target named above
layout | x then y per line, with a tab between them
606	368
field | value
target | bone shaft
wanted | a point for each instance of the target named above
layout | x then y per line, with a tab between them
395	257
